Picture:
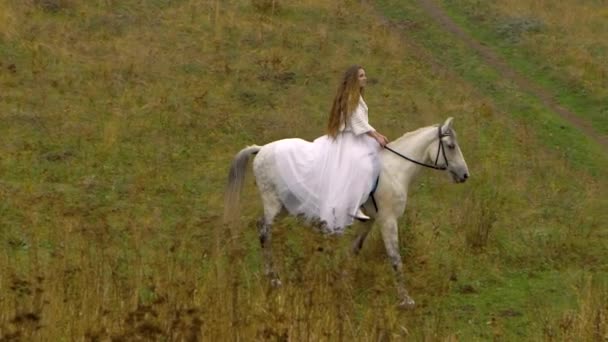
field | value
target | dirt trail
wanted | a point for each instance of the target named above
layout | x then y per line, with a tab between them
494	60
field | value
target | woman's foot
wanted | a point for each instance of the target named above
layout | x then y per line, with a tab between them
361	216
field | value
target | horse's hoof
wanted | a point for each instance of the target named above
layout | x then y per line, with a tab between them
275	283
407	304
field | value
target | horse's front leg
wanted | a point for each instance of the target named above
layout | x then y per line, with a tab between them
363	232
366	227
390	235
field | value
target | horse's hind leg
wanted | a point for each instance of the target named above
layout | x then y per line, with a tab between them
272	207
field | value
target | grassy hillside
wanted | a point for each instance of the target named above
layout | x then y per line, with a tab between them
120	119
561	45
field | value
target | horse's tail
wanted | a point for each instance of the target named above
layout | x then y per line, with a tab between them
236	177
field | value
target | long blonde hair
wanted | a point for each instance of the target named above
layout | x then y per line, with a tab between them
346	100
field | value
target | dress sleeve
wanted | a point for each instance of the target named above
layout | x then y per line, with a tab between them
359	121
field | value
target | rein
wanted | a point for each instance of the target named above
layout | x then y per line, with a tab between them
440	150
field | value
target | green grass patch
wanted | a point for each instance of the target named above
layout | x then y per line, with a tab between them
506	36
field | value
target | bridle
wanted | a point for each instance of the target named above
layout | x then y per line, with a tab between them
440	150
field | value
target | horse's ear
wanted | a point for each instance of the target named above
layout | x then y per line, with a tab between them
447	125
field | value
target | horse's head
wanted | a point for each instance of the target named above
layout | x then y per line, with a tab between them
446	153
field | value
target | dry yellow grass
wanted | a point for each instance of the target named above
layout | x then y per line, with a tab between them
573	38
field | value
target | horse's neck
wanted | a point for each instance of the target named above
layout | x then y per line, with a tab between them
414	145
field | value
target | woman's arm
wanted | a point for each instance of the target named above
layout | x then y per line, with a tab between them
381	139
358	121
359	124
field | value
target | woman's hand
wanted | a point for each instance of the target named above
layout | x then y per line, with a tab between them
381	139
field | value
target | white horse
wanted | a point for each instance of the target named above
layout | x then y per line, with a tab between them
401	161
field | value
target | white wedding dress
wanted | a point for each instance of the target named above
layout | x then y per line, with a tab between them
327	180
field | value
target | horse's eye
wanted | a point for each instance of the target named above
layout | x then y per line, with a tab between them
451	146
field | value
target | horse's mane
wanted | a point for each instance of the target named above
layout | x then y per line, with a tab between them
408	134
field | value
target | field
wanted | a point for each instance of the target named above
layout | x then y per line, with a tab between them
119	120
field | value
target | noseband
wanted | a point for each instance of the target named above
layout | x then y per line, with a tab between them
440	150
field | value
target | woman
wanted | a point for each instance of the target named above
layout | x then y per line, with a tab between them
349	117
329	179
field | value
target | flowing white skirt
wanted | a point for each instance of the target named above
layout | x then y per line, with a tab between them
329	179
